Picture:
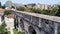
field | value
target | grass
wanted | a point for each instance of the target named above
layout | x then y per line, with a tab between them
8	32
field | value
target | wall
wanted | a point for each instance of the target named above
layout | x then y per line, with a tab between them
42	24
9	22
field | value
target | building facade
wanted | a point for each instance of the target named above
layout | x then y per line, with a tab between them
42	6
9	20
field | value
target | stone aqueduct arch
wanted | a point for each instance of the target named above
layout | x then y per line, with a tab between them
31	30
24	25
42	24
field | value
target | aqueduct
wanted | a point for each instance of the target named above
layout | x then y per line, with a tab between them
33	23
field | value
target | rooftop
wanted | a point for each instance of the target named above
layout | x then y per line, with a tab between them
10	16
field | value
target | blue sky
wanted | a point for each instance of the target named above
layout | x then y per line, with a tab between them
33	1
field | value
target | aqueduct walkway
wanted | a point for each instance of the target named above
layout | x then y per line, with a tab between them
33	23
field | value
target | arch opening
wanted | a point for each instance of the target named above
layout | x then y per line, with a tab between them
31	30
22	24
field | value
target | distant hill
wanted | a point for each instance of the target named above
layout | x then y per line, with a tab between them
10	3
17	5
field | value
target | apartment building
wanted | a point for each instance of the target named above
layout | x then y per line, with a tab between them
42	6
9	20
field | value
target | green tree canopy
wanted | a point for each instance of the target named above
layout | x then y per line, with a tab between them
2	28
13	7
6	12
58	13
3	7
21	8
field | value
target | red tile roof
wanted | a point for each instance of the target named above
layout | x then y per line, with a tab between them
10	16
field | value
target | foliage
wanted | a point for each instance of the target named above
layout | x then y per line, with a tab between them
8	32
52	12
18	32
3	7
0	6
58	13
15	23
36	10
27	9
13	7
21	8
6	12
2	28
45	11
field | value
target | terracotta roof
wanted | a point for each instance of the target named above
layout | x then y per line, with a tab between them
10	16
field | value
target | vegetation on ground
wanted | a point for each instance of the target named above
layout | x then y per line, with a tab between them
18	32
3	7
21	8
12	7
58	13
52	12
6	12
3	30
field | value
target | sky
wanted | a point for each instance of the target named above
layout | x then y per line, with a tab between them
33	1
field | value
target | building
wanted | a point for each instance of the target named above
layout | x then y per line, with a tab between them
9	20
30	5
46	6
1	16
41	6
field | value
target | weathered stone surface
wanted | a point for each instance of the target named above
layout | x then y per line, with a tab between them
42	24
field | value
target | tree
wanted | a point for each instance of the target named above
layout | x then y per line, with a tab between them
58	13
6	12
2	28
45	12
13	7
0	6
3	7
53	11
35	10
21	8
